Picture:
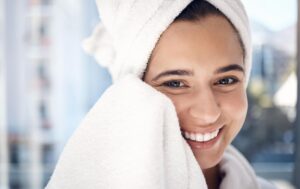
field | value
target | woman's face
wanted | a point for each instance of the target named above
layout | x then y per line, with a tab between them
199	66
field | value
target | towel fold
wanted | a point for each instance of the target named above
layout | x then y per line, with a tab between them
131	138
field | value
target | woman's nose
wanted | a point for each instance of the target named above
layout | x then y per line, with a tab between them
205	109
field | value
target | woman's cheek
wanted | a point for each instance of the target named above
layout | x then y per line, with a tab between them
180	102
235	105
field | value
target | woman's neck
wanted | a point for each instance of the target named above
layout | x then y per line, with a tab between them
212	177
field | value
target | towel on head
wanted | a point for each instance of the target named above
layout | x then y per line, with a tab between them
131	138
128	31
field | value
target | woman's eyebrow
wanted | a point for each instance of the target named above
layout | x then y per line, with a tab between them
231	67
178	72
173	72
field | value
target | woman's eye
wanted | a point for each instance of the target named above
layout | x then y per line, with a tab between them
227	81
174	84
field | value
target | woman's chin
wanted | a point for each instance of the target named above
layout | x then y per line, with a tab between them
208	160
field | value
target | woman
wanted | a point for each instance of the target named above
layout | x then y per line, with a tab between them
205	78
201	61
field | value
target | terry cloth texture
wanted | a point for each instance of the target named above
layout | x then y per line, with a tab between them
130	139
129	30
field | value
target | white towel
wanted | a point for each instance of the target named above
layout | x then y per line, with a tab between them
129	30
130	139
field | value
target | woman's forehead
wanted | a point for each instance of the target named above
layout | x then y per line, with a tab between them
210	40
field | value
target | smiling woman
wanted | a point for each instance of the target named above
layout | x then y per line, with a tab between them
182	117
192	65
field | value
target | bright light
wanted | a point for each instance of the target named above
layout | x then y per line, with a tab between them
274	14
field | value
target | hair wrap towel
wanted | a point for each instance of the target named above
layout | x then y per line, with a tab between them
128	32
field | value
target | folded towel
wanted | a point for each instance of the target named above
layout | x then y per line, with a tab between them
130	139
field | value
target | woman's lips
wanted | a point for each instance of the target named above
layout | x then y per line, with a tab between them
203	143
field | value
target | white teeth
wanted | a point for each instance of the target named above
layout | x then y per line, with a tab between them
215	133
201	137
207	136
186	134
193	136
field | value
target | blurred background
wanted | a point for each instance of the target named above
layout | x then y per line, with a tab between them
47	85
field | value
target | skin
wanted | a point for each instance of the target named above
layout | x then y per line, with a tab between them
208	88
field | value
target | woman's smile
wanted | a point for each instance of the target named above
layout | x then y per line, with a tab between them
202	141
199	137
